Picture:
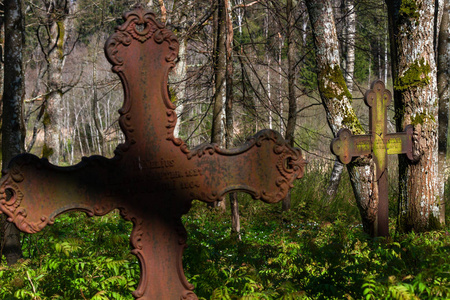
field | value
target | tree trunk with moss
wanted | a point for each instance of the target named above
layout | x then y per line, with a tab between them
350	29
54	35
412	34
337	100
13	129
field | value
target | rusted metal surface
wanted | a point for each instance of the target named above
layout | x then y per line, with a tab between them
153	177
378	143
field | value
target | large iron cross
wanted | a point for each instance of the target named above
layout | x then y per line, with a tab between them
153	177
379	144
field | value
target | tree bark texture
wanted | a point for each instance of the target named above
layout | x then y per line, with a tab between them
443	81
178	76
220	84
218	122
412	26
13	129
229	130
350	29
350	16
336	100
95	101
291	79
335	179
57	30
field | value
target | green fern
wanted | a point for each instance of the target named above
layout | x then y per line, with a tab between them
101	295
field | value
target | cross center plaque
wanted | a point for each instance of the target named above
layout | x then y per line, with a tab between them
153	177
378	143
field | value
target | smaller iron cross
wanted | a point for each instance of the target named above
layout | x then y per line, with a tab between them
377	143
154	176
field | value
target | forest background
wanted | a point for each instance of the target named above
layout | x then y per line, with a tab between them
243	66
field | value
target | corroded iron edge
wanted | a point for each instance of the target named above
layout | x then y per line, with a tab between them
124	35
290	165
13	175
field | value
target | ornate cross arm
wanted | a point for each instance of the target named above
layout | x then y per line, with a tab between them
346	145
33	192
265	167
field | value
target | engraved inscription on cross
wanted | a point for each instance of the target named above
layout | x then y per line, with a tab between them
153	177
377	143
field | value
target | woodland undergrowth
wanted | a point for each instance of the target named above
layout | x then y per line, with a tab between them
315	251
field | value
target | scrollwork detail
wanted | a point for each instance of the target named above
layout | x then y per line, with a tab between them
188	295
256	140
141	25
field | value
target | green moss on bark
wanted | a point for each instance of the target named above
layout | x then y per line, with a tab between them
433	223
416	76
421	119
332	86
173	95
409	10
351	122
46	120
60	42
47	151
337	90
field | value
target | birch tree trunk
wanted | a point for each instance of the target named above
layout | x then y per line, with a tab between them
350	55
412	26
218	123
13	129
229	132
95	101
443	81
336	100
268	62
280	82
179	77
350	14
220	87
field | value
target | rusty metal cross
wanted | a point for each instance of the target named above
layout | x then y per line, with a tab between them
378	143
153	176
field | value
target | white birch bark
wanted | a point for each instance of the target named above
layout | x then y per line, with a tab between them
337	103
416	103
178	77
351	31
350	14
